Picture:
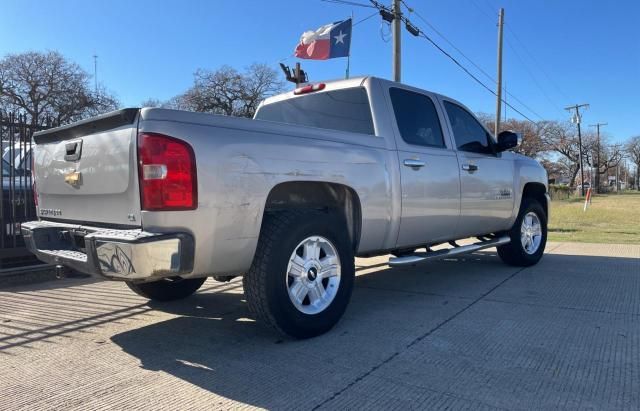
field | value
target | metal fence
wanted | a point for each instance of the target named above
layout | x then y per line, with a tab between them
16	198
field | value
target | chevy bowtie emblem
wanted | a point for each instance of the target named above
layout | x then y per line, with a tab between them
74	179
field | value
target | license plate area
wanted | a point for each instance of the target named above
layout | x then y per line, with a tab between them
74	238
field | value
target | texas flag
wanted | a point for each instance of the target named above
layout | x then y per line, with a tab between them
329	41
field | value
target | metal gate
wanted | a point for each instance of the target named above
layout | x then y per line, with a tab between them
16	198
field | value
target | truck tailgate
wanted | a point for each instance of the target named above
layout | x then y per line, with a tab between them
86	172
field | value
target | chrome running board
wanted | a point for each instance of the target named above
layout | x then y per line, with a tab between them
436	255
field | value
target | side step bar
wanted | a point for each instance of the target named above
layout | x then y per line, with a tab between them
436	255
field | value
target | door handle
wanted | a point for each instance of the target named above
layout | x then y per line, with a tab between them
469	167
413	163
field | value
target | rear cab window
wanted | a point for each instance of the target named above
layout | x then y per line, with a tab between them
344	110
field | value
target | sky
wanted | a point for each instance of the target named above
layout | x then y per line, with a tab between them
556	53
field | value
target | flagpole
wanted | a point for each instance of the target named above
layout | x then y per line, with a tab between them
349	55
348	58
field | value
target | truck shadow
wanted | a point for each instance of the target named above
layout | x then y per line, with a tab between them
215	345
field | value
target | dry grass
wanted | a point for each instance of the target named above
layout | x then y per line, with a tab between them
612	218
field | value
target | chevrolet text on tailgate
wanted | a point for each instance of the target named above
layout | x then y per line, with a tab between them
163	199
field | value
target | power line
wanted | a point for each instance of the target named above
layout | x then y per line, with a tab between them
482	10
349	3
533	77
490	5
365	19
435	30
526	50
421	33
488	76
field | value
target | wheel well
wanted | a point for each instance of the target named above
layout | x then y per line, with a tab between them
536	191
321	196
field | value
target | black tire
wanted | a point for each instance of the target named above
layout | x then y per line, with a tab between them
514	253
167	289
266	287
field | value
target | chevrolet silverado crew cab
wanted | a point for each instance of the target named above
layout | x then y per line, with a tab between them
162	199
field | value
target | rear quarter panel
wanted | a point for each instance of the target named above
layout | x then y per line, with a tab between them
239	161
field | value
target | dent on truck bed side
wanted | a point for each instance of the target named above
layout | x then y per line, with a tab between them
239	161
360	169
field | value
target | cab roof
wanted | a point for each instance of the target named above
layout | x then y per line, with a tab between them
337	84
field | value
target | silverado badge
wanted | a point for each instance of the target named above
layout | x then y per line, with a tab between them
74	179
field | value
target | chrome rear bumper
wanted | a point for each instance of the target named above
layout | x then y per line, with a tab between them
132	255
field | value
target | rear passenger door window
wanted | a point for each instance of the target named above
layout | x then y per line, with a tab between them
468	133
416	118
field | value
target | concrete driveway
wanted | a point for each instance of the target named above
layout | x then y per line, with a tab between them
469	333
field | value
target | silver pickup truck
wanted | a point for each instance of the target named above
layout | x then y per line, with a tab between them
163	199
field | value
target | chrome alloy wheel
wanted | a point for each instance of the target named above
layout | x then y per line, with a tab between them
313	275
531	233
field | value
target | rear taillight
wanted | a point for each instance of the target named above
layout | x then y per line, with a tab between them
167	173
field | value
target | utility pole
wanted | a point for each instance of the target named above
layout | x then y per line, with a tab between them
576	119
499	91
397	43
505	103
597	126
95	71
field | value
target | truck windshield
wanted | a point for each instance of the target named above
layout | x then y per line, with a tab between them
344	110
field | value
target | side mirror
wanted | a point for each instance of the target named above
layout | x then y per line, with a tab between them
507	140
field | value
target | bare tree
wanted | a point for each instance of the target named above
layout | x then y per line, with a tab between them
556	170
632	149
152	102
550	142
179	102
560	139
260	81
176	103
531	145
608	155
48	85
228	91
